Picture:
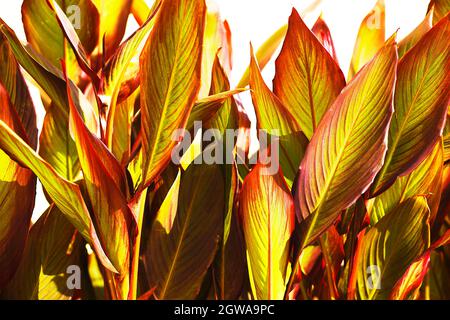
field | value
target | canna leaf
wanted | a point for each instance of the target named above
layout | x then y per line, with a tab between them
170	80
17	186
208	108
44	33
106	186
44	272
348	147
370	38
113	22
229	268
424	180
388	248
265	53
278	121
116	75
411	40
267	213
177	261
66	195
420	102
412	279
307	78
217	37
441	8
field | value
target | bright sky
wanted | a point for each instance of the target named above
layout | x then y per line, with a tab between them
256	20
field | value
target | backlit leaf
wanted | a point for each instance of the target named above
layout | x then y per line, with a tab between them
170	79
388	248
348	147
307	78
370	38
420	103
267	213
177	260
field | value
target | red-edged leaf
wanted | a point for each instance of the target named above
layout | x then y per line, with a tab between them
348	147
307	79
420	103
106	186
170	80
267	213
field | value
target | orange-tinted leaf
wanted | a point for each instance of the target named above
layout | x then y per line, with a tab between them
440	9
113	22
322	32
267	213
170	80
265	53
348	147
307	78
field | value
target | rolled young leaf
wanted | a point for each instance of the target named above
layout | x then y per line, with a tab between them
279	122
370	38
267	213
307	79
348	147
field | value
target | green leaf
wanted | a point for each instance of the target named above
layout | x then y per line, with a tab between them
279	122
348	148
66	195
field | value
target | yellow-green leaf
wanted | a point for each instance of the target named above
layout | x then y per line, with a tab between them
170	80
177	260
420	103
307	78
348	147
424	180
267	214
385	252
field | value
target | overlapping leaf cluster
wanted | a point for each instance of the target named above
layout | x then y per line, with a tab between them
359	208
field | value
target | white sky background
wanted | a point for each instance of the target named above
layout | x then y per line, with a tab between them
256	20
